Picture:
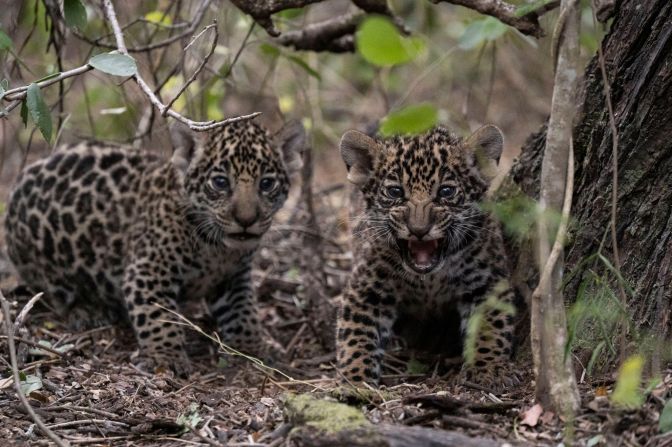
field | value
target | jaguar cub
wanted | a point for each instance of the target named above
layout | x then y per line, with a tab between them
424	250
112	232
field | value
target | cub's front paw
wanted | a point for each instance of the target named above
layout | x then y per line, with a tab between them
496	376
160	362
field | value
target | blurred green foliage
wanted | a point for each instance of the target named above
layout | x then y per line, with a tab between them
380	43
481	31
627	392
478	326
413	119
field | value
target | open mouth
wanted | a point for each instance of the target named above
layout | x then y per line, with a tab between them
421	256
243	236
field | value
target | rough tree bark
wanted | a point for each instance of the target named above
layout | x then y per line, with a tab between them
638	55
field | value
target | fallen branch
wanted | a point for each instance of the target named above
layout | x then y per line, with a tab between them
198	126
9	328
327	423
450	404
527	24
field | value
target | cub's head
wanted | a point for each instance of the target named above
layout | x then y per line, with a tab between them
236	179
422	192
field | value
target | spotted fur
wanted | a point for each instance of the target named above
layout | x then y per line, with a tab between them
424	250
109	232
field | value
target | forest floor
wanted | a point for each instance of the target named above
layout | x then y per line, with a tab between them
88	391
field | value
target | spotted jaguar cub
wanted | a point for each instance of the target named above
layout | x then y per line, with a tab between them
109	232
424	250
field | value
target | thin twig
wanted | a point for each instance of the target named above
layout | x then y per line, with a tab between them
198	126
205	60
614	180
191	27
16	95
21	317
86	422
35	345
226	349
17	380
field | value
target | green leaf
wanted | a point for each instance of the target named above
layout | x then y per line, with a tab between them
30	383
75	14
158	17
380	43
414	366
116	64
290	13
39	111
5	41
481	31
410	120
665	421
190	418
269	50
303	64
527	8
627	393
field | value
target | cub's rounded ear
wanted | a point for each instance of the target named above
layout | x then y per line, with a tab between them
487	140
358	151
184	146
292	141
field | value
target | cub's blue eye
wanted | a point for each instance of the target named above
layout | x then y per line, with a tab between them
220	183
395	192
267	184
446	192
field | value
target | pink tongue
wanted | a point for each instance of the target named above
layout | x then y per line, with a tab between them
422	251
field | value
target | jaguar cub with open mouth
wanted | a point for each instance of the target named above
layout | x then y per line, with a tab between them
422	243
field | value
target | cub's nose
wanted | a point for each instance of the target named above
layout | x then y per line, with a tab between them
246	219
245	216
419	231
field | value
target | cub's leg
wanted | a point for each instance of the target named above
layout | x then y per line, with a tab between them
146	287
363	326
235	311
491	365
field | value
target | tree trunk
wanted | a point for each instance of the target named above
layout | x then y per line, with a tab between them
638	55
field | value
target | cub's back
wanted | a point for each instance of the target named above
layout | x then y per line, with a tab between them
67	216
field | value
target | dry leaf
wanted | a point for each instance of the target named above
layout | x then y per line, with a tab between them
601	391
6	383
39	397
547	417
531	416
